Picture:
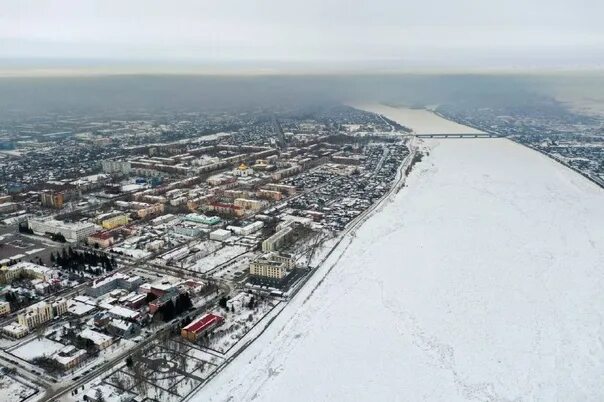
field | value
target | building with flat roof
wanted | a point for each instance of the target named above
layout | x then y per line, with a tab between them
73	232
114	221
12	272
276	241
15	330
271	266
69	357
114	281
102	341
41	312
4	308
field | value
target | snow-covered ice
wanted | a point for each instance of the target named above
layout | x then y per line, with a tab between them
481	281
421	121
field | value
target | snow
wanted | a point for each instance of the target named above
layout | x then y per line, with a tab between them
37	348
421	121
14	390
481	280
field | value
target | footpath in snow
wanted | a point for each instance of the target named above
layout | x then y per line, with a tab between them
481	281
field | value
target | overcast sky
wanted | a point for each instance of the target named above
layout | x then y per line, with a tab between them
500	33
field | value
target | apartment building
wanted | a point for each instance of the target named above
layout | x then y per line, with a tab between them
272	266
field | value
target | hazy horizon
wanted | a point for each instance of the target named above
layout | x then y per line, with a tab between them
73	37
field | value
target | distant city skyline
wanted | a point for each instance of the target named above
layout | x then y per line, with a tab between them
330	35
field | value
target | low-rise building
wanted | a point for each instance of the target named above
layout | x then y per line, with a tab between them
247	229
15	330
102	341
198	327
220	235
199	218
69	357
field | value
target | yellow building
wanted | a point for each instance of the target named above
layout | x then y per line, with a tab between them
113	222
245	203
35	315
12	272
271	265
4	308
42	312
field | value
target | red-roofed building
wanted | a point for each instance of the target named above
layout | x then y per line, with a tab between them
104	239
201	326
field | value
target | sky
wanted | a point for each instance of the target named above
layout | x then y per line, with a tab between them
378	33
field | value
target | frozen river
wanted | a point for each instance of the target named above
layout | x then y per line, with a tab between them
482	280
422	121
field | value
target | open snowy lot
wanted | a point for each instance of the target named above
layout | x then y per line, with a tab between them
14	390
37	348
421	121
481	281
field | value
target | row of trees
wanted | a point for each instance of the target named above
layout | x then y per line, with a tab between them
172	309
71	260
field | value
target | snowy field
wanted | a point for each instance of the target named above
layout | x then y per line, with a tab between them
13	390
481	281
37	348
421	121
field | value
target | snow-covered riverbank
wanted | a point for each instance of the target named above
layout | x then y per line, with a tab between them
480	281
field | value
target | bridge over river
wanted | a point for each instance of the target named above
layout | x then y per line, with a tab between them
459	135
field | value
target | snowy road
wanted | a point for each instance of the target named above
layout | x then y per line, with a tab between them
481	281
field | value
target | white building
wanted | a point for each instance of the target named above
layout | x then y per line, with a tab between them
277	240
220	235
73	232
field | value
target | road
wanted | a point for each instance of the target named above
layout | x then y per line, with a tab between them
58	393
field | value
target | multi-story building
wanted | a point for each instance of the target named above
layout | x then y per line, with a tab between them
103	239
153	210
269	194
35	315
276	241
12	272
51	199
8	207
69	357
112	282
114	221
115	166
245	203
271	266
4	308
73	232
226	209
